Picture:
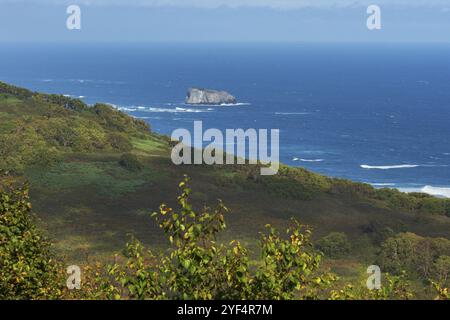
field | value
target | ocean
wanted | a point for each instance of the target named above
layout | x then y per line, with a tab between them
374	113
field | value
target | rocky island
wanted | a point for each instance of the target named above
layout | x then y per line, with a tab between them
209	97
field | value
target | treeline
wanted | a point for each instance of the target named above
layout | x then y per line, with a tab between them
395	199
299	183
60	100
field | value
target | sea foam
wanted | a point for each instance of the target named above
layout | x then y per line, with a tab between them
307	160
434	191
400	166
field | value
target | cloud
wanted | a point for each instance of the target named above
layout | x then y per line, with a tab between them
275	4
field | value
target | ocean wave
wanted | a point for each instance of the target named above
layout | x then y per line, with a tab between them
72	96
219	105
443	192
400	166
125	109
159	110
176	110
383	184
84	81
290	113
437	191
234	104
307	160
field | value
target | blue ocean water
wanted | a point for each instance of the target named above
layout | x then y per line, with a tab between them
376	113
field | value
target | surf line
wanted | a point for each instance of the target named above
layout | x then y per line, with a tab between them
400	166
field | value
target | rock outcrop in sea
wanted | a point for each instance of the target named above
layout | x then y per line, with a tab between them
210	97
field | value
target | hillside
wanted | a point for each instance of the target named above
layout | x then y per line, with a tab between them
96	173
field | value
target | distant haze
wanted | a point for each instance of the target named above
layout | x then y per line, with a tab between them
224	20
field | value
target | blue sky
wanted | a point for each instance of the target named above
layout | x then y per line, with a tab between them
225	20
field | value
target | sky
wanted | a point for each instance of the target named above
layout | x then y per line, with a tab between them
224	20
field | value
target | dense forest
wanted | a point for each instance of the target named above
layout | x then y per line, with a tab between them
79	184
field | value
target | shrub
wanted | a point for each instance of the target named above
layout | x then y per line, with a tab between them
113	119
120	142
28	270
414	254
334	245
130	162
397	253
441	269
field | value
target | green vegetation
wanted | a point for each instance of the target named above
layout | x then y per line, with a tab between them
195	265
95	173
130	162
426	257
27	267
334	245
41	128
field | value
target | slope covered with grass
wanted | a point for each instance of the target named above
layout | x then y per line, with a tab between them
96	174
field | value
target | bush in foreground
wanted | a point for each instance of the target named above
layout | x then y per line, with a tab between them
28	270
196	266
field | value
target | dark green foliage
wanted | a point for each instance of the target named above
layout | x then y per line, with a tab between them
293	183
334	245
15	91
441	270
130	162
37	129
115	120
28	270
60	100
347	187
414	254
119	142
379	231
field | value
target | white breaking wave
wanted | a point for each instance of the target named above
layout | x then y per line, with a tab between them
291	113
400	166
217	105
176	110
160	110
383	184
124	108
308	160
434	191
83	81
72	96
437	191
234	104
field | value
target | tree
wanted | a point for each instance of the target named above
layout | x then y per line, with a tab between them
442	269
334	245
28	270
398	253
